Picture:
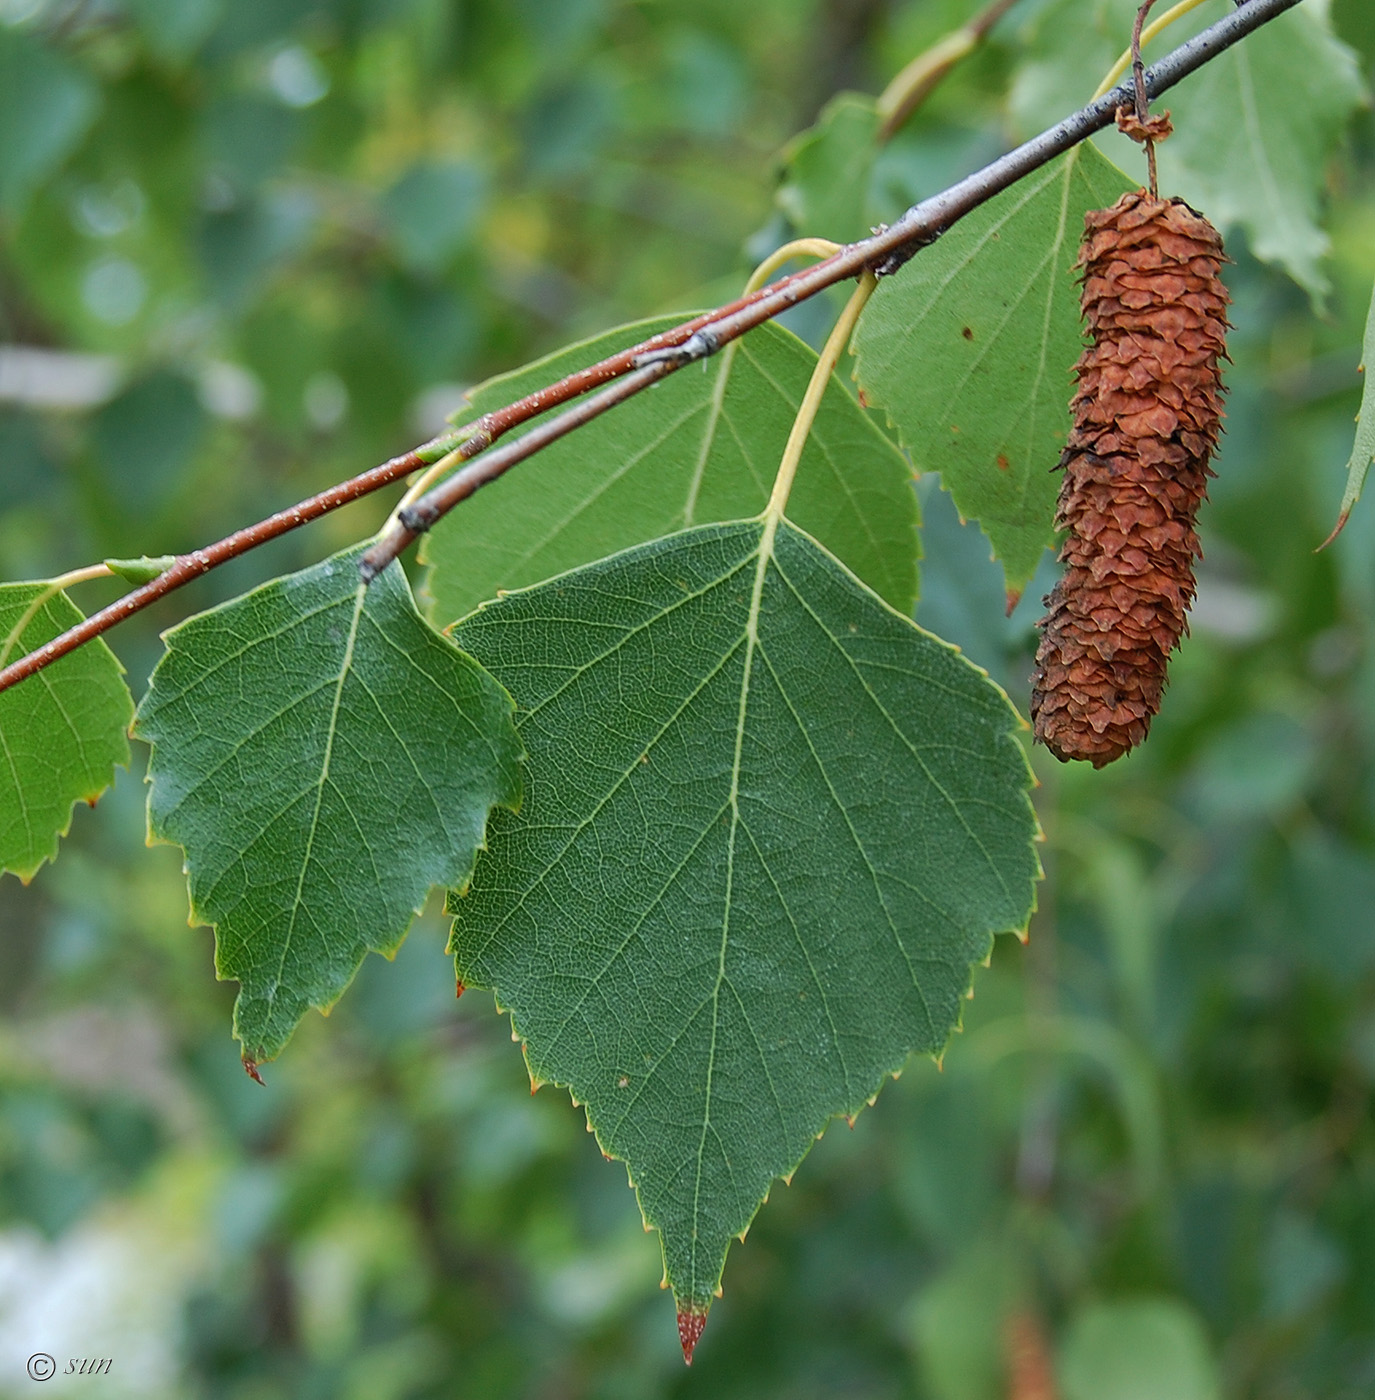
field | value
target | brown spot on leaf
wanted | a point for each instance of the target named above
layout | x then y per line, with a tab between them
1003	463
967	332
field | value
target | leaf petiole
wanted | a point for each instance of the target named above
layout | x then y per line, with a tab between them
831	352
798	248
55	586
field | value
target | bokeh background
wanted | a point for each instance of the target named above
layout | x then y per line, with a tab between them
249	247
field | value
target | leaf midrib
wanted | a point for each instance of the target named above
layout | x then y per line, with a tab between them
765	555
359	597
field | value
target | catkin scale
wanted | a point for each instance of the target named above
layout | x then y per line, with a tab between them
1147	413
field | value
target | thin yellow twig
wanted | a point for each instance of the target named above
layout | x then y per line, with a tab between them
816	388
919	78
798	248
421	484
1147	34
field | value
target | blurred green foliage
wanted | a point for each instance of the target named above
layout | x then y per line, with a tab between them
286	230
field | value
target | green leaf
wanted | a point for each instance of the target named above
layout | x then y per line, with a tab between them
1138	1349
1254	128
62	731
1254	131
175	29
324	758
969	350
770	826
144	569
828	170
46	106
953	1317
701	446
433	209
1363	451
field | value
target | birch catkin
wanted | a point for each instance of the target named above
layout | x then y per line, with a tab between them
1146	421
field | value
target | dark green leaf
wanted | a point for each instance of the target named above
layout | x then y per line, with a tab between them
46	105
145	437
828	169
324	758
62	731
701	446
433	209
969	350
771	825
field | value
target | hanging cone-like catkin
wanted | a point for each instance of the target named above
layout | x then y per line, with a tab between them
1146	420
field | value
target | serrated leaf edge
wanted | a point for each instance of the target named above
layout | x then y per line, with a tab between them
851	1112
25	874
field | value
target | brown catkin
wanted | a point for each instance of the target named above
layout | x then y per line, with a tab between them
1146	420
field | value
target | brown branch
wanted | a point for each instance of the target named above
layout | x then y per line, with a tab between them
417	518
201	561
884	253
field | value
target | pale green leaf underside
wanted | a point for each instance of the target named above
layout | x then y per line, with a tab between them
969	351
62	731
1254	128
324	758
770	826
1363	450
701	446
1253	134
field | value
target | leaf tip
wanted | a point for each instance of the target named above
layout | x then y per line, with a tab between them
250	1066
1014	596
459	988
1336	530
691	1321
